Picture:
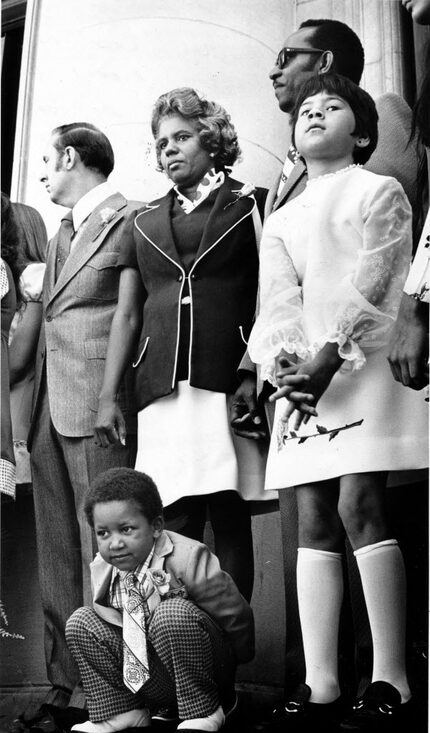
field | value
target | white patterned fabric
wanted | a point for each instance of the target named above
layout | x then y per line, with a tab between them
290	161
333	264
346	239
4	282
7	477
135	619
210	182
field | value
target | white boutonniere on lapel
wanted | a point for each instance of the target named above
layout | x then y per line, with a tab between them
248	189
161	581
107	214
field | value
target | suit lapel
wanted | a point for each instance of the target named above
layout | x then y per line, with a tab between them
91	238
271	197
154	223
163	547
226	213
295	177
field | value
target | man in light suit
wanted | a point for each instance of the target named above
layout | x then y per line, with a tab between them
79	299
318	46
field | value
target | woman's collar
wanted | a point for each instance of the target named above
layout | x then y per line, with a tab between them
210	182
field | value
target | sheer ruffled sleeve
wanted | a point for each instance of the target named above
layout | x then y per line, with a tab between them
279	325
360	312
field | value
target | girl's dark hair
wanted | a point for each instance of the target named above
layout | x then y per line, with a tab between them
216	131
32	231
361	103
124	484
10	244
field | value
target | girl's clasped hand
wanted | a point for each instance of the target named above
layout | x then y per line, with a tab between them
303	384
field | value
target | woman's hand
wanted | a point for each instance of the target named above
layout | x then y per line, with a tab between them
315	376
244	417
110	424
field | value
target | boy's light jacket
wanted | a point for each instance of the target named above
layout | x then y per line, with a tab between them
192	565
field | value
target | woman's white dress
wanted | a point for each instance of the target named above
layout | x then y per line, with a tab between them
333	264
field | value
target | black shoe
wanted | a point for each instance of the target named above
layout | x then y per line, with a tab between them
298	715
165	719
53	719
166	715
379	710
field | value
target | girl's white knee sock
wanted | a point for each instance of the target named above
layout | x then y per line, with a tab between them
320	593
382	573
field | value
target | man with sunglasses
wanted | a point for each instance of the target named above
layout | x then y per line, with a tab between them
317	47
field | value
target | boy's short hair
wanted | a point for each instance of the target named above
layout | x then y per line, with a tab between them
361	103
124	484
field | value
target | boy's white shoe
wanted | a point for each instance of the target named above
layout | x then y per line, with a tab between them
130	719
211	723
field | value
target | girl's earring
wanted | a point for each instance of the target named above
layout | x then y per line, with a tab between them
212	155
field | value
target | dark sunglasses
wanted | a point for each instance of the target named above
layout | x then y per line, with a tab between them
285	54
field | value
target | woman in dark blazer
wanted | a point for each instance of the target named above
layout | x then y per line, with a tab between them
186	305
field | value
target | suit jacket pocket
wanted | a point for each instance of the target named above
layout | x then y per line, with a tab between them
95	348
98	279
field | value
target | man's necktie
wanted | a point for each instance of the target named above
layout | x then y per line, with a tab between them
65	235
136	614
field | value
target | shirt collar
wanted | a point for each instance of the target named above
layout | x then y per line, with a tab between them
89	202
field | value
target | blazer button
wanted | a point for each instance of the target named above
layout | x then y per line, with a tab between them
49	318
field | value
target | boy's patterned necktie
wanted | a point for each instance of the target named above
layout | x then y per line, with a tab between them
136	614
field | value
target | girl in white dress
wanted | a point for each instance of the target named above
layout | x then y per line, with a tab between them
333	263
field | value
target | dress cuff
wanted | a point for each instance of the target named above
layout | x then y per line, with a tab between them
348	350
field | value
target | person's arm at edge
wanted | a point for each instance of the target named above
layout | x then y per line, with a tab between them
409	346
24	343
110	424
